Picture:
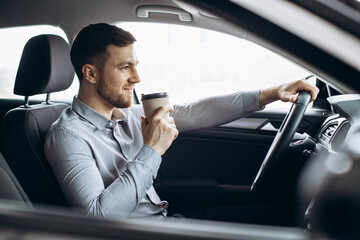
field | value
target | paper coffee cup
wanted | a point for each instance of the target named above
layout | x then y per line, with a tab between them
152	102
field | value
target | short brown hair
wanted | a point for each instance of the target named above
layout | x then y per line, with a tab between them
91	43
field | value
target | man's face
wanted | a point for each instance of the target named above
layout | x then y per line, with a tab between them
119	76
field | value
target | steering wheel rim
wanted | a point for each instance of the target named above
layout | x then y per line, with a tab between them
282	139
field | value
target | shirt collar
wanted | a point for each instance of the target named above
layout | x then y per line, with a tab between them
95	118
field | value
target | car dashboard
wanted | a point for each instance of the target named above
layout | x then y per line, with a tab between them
330	160
333	132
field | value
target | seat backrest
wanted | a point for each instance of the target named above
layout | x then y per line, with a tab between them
10	189
45	67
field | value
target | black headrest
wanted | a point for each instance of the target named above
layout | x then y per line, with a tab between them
45	66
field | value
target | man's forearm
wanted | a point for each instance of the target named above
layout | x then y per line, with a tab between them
268	95
214	111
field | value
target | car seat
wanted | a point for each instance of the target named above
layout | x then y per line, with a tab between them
45	67
10	188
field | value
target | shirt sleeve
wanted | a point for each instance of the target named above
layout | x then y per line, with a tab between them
80	180
214	111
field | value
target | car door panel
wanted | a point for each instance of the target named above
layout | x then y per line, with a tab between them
219	164
212	164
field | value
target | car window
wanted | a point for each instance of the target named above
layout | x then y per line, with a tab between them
12	42
191	63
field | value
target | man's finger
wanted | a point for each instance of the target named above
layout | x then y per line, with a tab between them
143	124
314	91
293	98
169	120
288	97
176	135
162	111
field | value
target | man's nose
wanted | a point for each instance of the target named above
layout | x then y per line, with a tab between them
135	78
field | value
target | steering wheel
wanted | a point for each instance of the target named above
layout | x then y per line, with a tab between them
281	140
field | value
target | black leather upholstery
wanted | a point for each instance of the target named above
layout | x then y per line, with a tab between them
45	67
10	189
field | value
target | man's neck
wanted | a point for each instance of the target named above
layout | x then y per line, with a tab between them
97	103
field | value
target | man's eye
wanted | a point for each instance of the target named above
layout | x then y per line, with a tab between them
125	68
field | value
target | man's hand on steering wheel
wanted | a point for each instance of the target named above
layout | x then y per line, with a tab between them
287	92
300	93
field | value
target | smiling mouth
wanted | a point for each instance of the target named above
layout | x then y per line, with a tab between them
129	90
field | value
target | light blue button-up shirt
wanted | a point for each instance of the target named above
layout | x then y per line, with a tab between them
104	168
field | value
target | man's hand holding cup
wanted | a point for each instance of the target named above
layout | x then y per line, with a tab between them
158	128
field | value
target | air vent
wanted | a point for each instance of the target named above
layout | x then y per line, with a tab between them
329	131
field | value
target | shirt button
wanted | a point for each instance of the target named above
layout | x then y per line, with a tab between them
110	123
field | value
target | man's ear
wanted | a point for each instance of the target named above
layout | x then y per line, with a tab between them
90	73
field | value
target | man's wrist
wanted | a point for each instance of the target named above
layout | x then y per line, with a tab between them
150	157
268	95
151	149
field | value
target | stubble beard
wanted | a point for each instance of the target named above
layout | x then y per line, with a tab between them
112	96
